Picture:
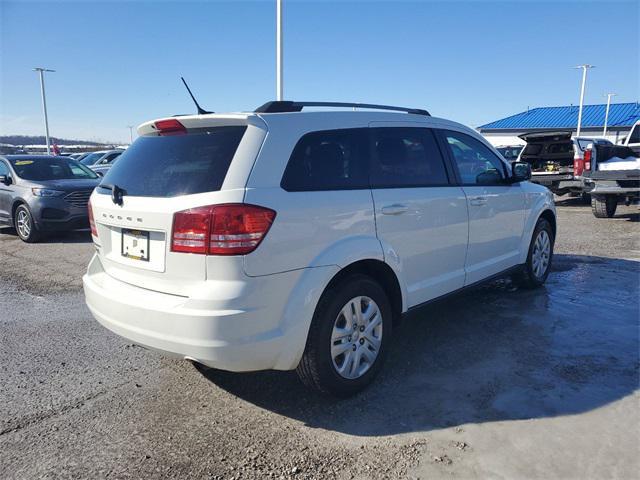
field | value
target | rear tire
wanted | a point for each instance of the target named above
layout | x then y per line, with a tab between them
341	360
24	225
538	265
604	207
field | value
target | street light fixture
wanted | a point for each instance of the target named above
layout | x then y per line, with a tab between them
584	68
130	127
606	115
41	71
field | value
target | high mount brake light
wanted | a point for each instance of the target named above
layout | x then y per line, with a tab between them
170	127
228	229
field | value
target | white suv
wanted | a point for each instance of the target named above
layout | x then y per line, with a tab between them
282	239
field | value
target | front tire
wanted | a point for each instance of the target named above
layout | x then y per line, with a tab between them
348	337
24	225
538	265
604	207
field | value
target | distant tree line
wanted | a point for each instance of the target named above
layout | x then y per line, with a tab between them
41	140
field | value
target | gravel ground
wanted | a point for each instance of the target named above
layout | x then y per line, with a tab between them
496	382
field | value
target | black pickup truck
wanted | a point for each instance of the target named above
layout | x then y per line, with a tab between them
611	176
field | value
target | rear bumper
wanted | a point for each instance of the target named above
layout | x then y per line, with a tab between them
614	182
239	333
558	181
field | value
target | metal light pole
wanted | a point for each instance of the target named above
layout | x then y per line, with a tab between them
606	115
130	127
584	68
279	83
41	71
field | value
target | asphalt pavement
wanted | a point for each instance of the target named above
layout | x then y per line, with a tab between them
497	382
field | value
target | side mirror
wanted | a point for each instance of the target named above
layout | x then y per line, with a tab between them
5	179
521	172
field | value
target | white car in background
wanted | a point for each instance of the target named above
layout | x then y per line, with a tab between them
282	239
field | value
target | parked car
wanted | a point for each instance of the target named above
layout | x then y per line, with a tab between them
301	249
611	176
103	165
42	193
101	157
555	157
510	152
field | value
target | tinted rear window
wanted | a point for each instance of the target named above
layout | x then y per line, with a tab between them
168	166
406	157
328	160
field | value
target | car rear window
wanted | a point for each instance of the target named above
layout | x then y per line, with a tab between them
566	147
168	166
532	149
328	160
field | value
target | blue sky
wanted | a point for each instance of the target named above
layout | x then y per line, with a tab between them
119	63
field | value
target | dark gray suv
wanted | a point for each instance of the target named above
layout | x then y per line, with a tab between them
40	193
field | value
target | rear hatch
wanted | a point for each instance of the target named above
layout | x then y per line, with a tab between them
166	170
548	152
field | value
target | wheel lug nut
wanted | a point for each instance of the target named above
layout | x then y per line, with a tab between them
355	325
362	328
349	339
361	341
354	347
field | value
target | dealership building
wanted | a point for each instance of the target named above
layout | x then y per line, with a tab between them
622	116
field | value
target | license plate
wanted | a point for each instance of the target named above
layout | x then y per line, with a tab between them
135	244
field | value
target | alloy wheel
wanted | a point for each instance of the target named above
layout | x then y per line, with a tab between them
23	223
541	254
356	337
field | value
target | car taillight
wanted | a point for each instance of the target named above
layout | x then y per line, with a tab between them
92	223
578	166
170	127
587	159
231	229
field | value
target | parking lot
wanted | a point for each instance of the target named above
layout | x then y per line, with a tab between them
497	382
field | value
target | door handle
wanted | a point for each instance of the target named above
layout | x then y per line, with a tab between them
395	209
478	201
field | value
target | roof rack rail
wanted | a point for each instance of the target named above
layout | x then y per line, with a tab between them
283	106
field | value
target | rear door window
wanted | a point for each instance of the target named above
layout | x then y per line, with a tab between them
406	157
168	166
328	160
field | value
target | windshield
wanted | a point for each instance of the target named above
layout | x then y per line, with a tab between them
168	166
91	158
50	169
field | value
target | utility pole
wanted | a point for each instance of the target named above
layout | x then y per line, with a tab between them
584	68
606	115
130	127
41	71
279	80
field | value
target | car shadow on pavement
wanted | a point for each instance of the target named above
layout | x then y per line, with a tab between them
493	353
631	217
568	201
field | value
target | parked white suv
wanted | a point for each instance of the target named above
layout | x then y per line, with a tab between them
282	239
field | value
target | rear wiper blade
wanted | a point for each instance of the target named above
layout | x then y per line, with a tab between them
116	192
